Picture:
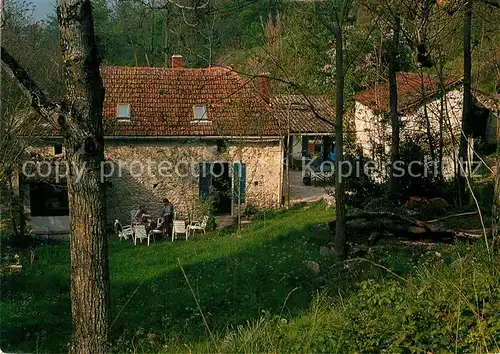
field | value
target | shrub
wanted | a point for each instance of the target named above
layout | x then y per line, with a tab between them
363	188
250	210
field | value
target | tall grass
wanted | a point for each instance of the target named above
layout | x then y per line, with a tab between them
449	303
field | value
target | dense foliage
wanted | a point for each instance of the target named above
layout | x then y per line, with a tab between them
283	37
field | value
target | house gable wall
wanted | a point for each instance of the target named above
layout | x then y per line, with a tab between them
373	132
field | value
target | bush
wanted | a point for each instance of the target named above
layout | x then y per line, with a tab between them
250	210
428	184
207	208
363	188
212	224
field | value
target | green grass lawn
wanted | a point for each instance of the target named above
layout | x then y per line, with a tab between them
258	295
236	276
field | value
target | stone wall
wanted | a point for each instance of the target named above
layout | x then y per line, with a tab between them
171	168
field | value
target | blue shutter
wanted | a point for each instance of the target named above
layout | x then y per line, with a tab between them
239	179
205	180
305	145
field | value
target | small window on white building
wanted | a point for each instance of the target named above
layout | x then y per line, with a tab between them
200	112
123	111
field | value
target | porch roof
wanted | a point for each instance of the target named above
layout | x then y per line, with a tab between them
304	114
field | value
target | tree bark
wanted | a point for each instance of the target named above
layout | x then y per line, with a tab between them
426	117
166	38
340	234
340	224
495	215
13	204
467	100
81	127
393	102
78	120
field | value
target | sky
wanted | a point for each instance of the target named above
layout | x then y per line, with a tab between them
42	8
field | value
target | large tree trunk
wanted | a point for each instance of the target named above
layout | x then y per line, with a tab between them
340	234
393	102
467	103
84	141
336	30
495	215
78	120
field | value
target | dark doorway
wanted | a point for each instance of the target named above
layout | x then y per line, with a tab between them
327	147
221	188
48	199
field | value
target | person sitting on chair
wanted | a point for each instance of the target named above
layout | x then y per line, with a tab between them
167	215
138	217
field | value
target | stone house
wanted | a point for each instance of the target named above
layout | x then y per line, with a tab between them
186	134
424	111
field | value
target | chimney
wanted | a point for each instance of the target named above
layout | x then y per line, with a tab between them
265	87
177	61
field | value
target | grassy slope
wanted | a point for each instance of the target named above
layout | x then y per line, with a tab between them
258	296
449	302
236	277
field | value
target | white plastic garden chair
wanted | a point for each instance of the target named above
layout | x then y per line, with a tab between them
123	231
196	225
158	230
140	233
179	229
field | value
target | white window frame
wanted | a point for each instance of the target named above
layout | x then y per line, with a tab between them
204	117
125	118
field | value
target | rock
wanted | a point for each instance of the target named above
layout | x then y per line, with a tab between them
325	250
312	266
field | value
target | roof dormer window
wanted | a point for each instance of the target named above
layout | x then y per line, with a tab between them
123	112
200	112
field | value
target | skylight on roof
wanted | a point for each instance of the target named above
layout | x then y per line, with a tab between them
123	111
200	112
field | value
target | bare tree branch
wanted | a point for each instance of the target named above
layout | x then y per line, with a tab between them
324	21
39	101
295	86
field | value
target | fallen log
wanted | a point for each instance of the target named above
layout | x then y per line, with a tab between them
380	225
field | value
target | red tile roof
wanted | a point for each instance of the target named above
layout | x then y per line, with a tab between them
409	92
162	101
